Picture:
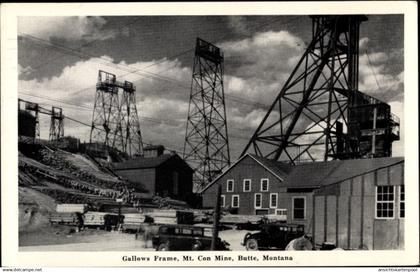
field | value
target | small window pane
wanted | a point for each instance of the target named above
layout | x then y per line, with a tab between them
385	202
402	201
299	208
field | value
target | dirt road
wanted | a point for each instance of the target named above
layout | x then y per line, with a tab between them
125	242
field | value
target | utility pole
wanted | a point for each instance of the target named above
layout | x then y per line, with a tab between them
216	219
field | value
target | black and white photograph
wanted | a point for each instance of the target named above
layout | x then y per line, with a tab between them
249	133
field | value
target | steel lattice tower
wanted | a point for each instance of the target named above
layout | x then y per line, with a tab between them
56	124
308	120
130	121
106	125
206	145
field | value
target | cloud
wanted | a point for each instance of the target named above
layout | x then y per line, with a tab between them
238	24
65	27
255	70
265	56
24	71
379	75
397	107
74	90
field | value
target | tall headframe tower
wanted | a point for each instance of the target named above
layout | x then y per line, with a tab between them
319	113
106	125
56	124
206	145
130	121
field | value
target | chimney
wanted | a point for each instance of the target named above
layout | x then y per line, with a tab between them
153	151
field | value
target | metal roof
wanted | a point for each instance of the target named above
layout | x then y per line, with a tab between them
280	169
316	174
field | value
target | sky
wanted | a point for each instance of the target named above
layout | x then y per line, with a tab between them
59	59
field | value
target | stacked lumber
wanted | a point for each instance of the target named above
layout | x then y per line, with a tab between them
169	203
71	208
240	219
200	216
65	218
134	221
100	219
172	217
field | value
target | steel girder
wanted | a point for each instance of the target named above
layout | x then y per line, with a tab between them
56	124
106	126
308	119
130	121
206	145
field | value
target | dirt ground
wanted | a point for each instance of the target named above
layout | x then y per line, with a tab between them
58	239
36	233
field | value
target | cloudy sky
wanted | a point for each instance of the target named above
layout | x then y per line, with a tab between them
59	59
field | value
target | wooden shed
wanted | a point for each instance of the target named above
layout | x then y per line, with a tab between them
166	175
364	208
351	203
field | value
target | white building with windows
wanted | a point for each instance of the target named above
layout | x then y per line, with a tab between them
351	203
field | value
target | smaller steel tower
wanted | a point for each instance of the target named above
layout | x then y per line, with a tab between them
56	124
206	145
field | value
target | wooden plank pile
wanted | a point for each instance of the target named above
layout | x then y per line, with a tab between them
240	219
200	216
65	218
100	219
169	203
172	217
134	221
71	208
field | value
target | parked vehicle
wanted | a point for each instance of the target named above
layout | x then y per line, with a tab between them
272	236
185	237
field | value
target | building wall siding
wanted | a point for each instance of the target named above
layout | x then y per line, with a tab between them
356	226
145	177
165	179
248	168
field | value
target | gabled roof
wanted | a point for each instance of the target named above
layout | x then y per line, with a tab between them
317	174
143	163
278	169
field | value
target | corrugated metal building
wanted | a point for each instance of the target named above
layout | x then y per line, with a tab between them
166	175
351	203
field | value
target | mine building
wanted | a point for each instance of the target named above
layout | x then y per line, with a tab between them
160	174
351	203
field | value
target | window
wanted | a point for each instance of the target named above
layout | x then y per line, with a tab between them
247	185
229	185
222	201
235	201
281	212
273	200
257	200
298	207
385	202
264	185
402	201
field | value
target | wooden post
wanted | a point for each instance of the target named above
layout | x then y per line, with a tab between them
216	218
375	116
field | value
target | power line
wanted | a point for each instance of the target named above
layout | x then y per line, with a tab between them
170	122
86	44
237	99
371	68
